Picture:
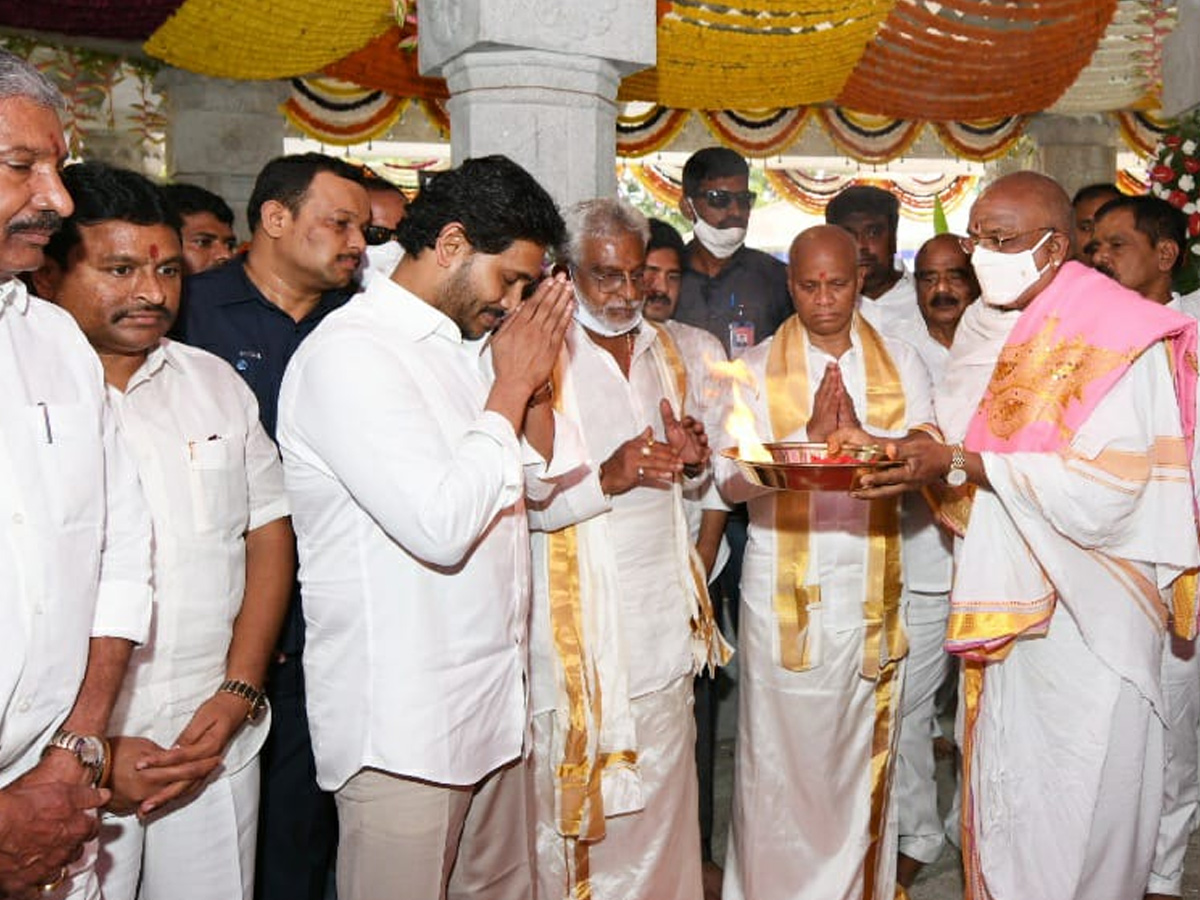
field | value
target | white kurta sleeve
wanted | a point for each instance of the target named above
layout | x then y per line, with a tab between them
264	471
124	600
371	423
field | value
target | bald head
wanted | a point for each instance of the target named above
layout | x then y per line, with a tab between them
824	280
1020	213
1040	193
824	238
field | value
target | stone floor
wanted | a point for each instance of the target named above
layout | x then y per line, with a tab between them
940	881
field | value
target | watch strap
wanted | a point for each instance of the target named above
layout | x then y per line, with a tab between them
78	744
255	698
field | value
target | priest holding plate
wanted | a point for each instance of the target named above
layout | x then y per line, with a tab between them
822	621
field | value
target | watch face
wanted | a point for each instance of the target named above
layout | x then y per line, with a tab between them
91	752
956	477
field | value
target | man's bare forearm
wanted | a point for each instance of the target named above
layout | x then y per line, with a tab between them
108	658
270	568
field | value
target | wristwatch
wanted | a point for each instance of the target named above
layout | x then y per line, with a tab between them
957	476
255	698
91	751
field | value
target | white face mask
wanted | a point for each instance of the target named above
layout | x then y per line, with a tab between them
1003	277
381	259
720	242
601	326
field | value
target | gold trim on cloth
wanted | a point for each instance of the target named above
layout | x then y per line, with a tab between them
710	646
883	766
1036	380
789	410
675	364
974	887
1183	605
580	809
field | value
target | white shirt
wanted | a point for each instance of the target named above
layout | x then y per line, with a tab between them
74	532
928	548
699	350
655	636
837	546
209	474
408	504
895	311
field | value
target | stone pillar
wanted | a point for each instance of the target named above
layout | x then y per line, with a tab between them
220	133
1181	61
1076	150
538	81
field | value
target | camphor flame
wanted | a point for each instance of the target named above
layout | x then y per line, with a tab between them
740	421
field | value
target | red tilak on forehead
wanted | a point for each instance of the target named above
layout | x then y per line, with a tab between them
154	251
821	276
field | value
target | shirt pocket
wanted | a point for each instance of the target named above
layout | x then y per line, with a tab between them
217	476
71	450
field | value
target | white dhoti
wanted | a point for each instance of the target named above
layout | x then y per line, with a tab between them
202	850
1067	750
921	831
651	854
1181	787
805	790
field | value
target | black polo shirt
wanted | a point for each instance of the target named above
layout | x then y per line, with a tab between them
751	279
224	313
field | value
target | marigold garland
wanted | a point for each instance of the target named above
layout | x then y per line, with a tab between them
266	38
975	59
1124	69
868	138
646	131
757	133
756	54
337	112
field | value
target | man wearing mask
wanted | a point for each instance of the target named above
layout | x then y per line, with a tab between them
620	619
872	215
388	207
1069	405
737	294
1139	242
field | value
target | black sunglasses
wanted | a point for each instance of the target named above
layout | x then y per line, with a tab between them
375	235
719	199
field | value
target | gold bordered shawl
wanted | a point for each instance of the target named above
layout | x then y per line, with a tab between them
789	407
580	809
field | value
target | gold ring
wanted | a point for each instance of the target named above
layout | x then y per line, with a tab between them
646	450
51	886
641	473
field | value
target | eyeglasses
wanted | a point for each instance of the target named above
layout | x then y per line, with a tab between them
375	235
719	199
995	242
609	281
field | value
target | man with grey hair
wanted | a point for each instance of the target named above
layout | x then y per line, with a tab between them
74	534
621	619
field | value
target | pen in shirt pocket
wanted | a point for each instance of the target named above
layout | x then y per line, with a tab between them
192	444
49	433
